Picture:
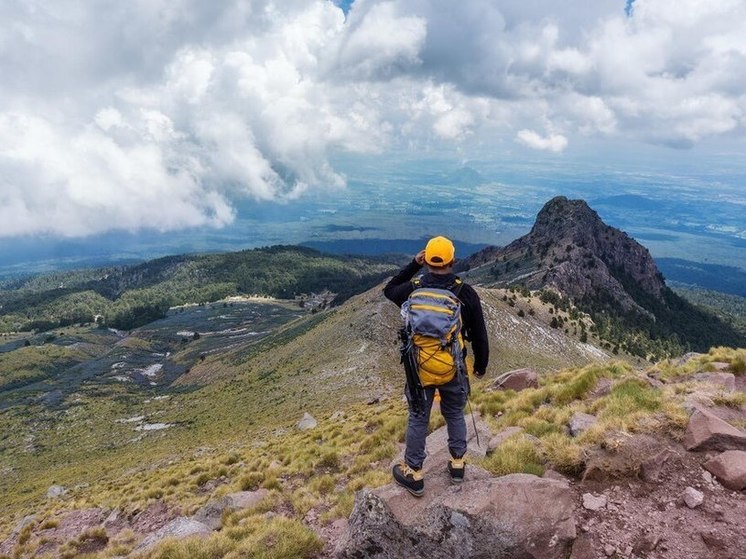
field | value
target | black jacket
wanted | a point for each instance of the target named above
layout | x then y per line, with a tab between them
474	330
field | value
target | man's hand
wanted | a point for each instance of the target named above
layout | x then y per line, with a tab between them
420	257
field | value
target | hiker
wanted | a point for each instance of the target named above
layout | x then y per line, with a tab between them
439	257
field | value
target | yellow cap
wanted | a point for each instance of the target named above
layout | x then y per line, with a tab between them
439	252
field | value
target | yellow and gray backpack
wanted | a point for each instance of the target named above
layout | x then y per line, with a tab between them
432	321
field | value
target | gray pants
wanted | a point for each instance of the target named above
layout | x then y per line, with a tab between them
452	401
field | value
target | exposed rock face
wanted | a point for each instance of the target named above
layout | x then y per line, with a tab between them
729	468
571	251
725	380
180	527
708	432
517	380
515	516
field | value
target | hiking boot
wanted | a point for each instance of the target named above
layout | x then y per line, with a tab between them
410	479
456	467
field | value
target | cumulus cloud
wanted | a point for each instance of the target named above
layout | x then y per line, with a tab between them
162	113
551	142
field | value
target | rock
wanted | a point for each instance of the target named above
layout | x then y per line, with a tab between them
178	528
551	474
653	382
645	543
582	548
678	362
518	515
580	422
609	550
651	468
337	415
501	437
517	380
719	366
725	380
247	499
692	497
211	514
156	515
708	432
591	502
55	492
603	388
25	521
620	456
729	468
307	422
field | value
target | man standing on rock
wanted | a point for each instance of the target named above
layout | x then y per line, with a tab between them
439	257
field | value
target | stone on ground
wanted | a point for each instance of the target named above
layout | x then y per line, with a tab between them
181	527
518	515
55	492
580	422
211	514
692	497
726	381
501	437
591	502
729	468
307	422
517	380
708	432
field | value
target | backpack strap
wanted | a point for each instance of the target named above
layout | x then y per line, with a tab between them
456	287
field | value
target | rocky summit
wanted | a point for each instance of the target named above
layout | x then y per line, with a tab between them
576	258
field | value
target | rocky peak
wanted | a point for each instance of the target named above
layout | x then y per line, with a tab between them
560	216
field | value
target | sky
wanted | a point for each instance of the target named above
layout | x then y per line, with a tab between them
167	115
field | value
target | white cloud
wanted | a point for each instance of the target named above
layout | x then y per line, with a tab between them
156	113
551	142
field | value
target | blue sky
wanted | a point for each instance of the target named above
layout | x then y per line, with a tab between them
167	115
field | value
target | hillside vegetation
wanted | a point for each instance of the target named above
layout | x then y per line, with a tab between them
311	476
130	296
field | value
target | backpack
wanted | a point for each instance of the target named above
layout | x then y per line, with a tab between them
432	322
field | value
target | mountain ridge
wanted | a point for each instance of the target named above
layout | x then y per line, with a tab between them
606	273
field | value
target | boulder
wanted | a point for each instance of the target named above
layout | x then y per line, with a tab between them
55	492
211	514
501	437
307	422
719	366
518	515
708	432
620	456
727	381
729	468
436	444
591	502
520	379
181	527
692	497
580	422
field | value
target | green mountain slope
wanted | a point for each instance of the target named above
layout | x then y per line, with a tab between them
130	296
